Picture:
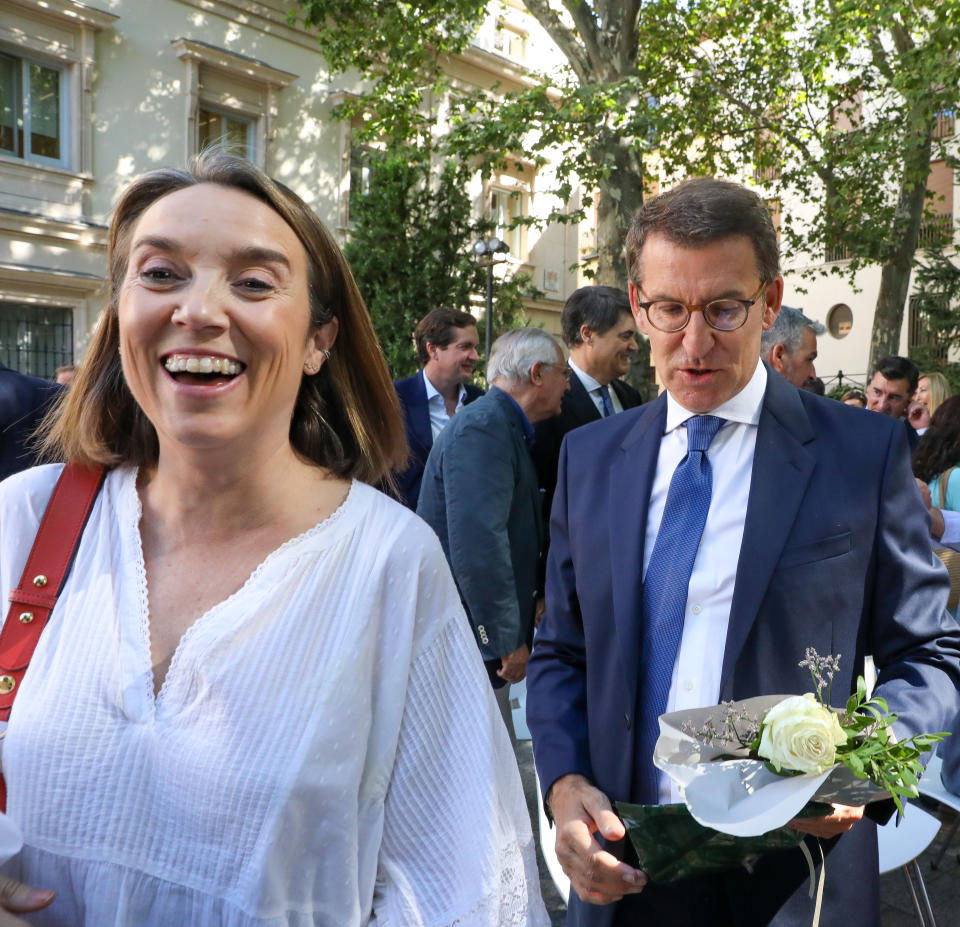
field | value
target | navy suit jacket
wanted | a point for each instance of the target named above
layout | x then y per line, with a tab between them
835	555
23	402
480	495
412	394
577	408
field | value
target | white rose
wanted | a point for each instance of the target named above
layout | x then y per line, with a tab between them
801	735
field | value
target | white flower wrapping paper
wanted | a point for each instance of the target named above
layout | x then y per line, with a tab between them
742	797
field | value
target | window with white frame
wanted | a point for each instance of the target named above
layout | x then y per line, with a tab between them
232	131
362	160
33	110
231	100
47	59
505	207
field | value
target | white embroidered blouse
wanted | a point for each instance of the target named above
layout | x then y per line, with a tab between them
325	749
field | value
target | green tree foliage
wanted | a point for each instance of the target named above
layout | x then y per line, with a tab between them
602	113
410	251
833	102
836	104
937	302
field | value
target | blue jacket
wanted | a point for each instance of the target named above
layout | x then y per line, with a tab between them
480	495
416	420
23	402
835	555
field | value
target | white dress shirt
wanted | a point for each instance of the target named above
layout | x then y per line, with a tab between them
593	386
438	406
696	673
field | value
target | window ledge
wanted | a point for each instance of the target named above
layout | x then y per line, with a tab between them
70	10
42	189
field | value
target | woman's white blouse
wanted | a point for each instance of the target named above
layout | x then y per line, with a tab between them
325	749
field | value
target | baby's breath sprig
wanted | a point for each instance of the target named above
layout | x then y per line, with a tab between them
736	726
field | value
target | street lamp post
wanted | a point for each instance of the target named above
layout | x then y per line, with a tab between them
486	251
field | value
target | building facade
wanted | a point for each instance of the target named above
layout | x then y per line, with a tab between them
92	96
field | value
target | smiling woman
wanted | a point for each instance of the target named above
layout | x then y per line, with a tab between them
258	700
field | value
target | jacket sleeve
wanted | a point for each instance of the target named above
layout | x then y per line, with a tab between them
915	641
556	673
478	482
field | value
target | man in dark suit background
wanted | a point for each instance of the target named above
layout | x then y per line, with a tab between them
23	402
599	330
480	495
890	390
446	341
699	544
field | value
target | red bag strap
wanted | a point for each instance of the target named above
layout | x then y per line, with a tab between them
44	575
47	567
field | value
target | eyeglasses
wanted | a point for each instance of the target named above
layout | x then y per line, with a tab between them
565	371
725	315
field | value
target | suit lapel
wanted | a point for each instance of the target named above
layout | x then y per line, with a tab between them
579	408
631	480
626	400
782	465
420	414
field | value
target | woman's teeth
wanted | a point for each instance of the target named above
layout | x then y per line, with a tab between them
190	363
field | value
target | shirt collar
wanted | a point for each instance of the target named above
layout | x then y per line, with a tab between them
744	407
433	391
528	430
589	383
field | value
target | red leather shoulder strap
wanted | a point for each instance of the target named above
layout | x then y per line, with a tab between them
44	575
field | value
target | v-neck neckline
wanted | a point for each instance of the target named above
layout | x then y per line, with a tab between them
131	509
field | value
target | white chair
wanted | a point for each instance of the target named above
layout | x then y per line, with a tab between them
548	842
931	786
899	844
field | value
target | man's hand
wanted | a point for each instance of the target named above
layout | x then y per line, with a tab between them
936	516
513	667
539	610
580	810
842	819
17	898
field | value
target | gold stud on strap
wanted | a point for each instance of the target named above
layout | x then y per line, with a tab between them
40	580
7	684
26	617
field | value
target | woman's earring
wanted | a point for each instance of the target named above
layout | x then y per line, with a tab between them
311	368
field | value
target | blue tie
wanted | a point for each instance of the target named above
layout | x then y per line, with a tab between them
605	401
665	587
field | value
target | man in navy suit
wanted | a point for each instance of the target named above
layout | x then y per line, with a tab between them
599	330
446	341
23	402
812	535
890	390
480	495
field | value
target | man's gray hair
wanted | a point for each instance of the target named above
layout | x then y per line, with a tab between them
514	353
788	331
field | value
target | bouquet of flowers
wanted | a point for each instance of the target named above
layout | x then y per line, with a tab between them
748	767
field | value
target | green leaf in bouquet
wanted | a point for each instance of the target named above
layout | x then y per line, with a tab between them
670	845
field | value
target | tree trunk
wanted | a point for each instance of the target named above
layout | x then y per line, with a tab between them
620	196
895	273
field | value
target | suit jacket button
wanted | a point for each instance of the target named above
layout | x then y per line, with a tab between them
626	721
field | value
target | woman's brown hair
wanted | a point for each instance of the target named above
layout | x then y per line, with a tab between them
347	417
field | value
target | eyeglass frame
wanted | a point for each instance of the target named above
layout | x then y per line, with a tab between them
565	369
702	307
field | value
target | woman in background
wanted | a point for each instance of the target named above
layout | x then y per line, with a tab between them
932	389
854	397
258	701
938	453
